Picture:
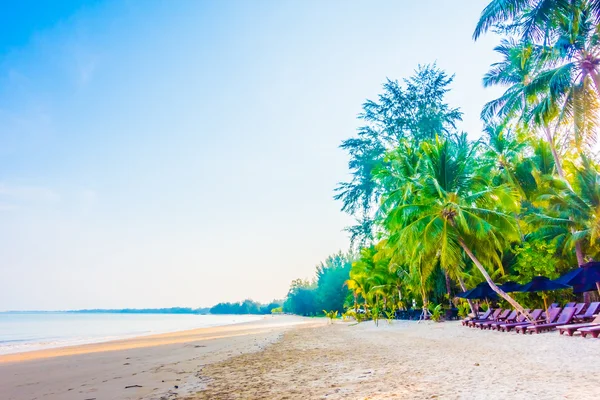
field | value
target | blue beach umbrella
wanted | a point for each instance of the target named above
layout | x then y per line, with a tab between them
543	284
511	286
582	279
481	291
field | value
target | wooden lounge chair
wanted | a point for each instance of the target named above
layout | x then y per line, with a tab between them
591	330
512	317
485	316
485	324
490	317
590	312
535	314
572	304
552	315
572	328
565	317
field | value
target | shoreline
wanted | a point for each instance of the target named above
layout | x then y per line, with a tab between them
148	367
132	342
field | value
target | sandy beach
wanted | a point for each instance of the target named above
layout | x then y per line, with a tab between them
162	366
296	358
410	361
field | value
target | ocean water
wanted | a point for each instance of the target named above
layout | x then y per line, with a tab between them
20	332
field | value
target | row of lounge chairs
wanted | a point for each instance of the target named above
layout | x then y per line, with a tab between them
574	317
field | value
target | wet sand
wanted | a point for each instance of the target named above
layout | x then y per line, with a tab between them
153	367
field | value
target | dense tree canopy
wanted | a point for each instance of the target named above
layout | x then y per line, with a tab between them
438	211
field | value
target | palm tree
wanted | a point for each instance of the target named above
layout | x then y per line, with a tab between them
571	216
530	19
454	210
558	59
521	100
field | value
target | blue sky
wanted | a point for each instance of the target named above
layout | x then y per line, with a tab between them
158	153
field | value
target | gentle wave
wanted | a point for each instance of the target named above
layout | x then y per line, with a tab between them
32	331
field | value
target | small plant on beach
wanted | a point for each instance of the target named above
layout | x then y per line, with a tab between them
390	315
436	312
375	314
331	315
463	310
348	315
277	310
360	317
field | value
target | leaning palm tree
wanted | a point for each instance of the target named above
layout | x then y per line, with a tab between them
455	210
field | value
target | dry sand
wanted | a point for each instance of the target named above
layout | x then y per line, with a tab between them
410	361
275	359
153	365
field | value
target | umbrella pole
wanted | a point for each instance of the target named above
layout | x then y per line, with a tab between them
546	306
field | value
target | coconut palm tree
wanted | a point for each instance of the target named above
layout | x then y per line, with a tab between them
521	100
557	55
455	210
571	215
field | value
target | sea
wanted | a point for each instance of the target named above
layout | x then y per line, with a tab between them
21	332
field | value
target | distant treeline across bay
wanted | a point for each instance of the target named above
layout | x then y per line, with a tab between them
243	307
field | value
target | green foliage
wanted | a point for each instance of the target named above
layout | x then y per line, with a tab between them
414	110
436	312
331	291
535	258
331	315
328	291
390	315
463	309
246	307
277	310
436	211
301	299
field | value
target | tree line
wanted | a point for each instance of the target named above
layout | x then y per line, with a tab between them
438	211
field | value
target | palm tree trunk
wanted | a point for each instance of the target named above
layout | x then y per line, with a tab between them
399	297
463	287
489	280
448	288
550	141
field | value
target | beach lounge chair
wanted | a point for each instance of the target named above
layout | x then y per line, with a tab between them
535	314
552	316
572	304
491	317
589	313
591	330
565	317
572	328
579	308
512	317
501	317
485	316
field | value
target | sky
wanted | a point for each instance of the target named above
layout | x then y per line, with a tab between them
183	153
